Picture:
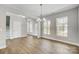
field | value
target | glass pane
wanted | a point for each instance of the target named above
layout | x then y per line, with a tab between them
61	24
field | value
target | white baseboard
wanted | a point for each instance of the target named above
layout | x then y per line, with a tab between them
52	38
18	37
64	41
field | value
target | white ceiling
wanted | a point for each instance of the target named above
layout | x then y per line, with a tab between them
34	10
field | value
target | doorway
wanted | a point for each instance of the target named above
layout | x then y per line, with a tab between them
8	27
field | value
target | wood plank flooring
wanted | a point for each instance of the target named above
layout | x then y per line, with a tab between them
33	45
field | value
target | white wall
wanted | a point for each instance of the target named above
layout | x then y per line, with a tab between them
72	25
2	30
17	26
78	24
24	27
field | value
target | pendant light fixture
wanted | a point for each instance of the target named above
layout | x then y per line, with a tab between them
41	12
41	21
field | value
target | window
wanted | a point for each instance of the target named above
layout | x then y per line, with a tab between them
37	28
29	26
61	24
46	25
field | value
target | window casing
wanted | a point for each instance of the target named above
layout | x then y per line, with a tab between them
62	26
29	26
46	26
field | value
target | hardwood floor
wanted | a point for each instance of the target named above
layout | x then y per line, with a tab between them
33	45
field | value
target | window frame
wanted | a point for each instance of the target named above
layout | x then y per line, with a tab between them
63	23
29	26
46	26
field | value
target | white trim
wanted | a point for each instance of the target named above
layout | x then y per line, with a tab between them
60	40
